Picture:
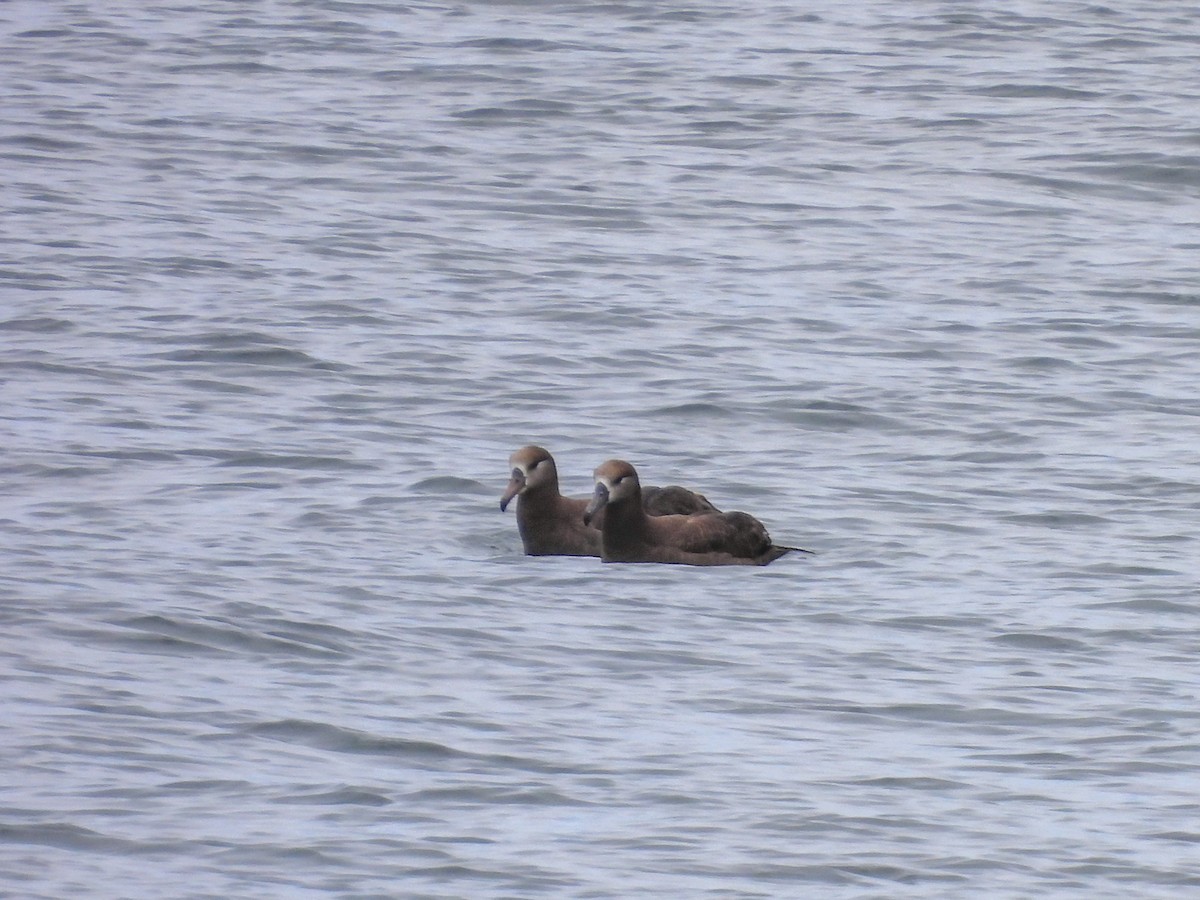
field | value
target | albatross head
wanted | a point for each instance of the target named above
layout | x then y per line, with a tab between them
532	468
616	481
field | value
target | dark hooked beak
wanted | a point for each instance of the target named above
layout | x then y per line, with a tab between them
515	486
598	502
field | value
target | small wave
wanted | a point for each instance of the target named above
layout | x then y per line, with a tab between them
450	484
341	797
269	356
349	740
303	463
189	636
38	325
1044	91
1036	641
690	411
65	836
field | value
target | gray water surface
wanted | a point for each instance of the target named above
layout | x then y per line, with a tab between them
283	284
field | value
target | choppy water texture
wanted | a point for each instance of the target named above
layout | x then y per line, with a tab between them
285	283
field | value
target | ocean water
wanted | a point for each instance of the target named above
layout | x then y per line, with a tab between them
283	284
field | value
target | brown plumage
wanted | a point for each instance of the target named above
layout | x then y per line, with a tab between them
553	525
707	539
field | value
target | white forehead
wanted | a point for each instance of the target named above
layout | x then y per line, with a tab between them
525	461
611	480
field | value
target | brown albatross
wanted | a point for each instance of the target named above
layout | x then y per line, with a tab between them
708	539
553	525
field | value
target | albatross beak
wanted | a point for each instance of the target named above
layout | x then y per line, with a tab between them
515	486
598	502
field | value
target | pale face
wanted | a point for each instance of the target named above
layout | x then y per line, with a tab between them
619	478
532	468
535	465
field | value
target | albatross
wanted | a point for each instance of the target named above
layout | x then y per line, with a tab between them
706	539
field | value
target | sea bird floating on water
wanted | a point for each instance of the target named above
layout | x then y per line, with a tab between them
707	539
553	525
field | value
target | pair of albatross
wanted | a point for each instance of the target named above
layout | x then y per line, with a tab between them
625	522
